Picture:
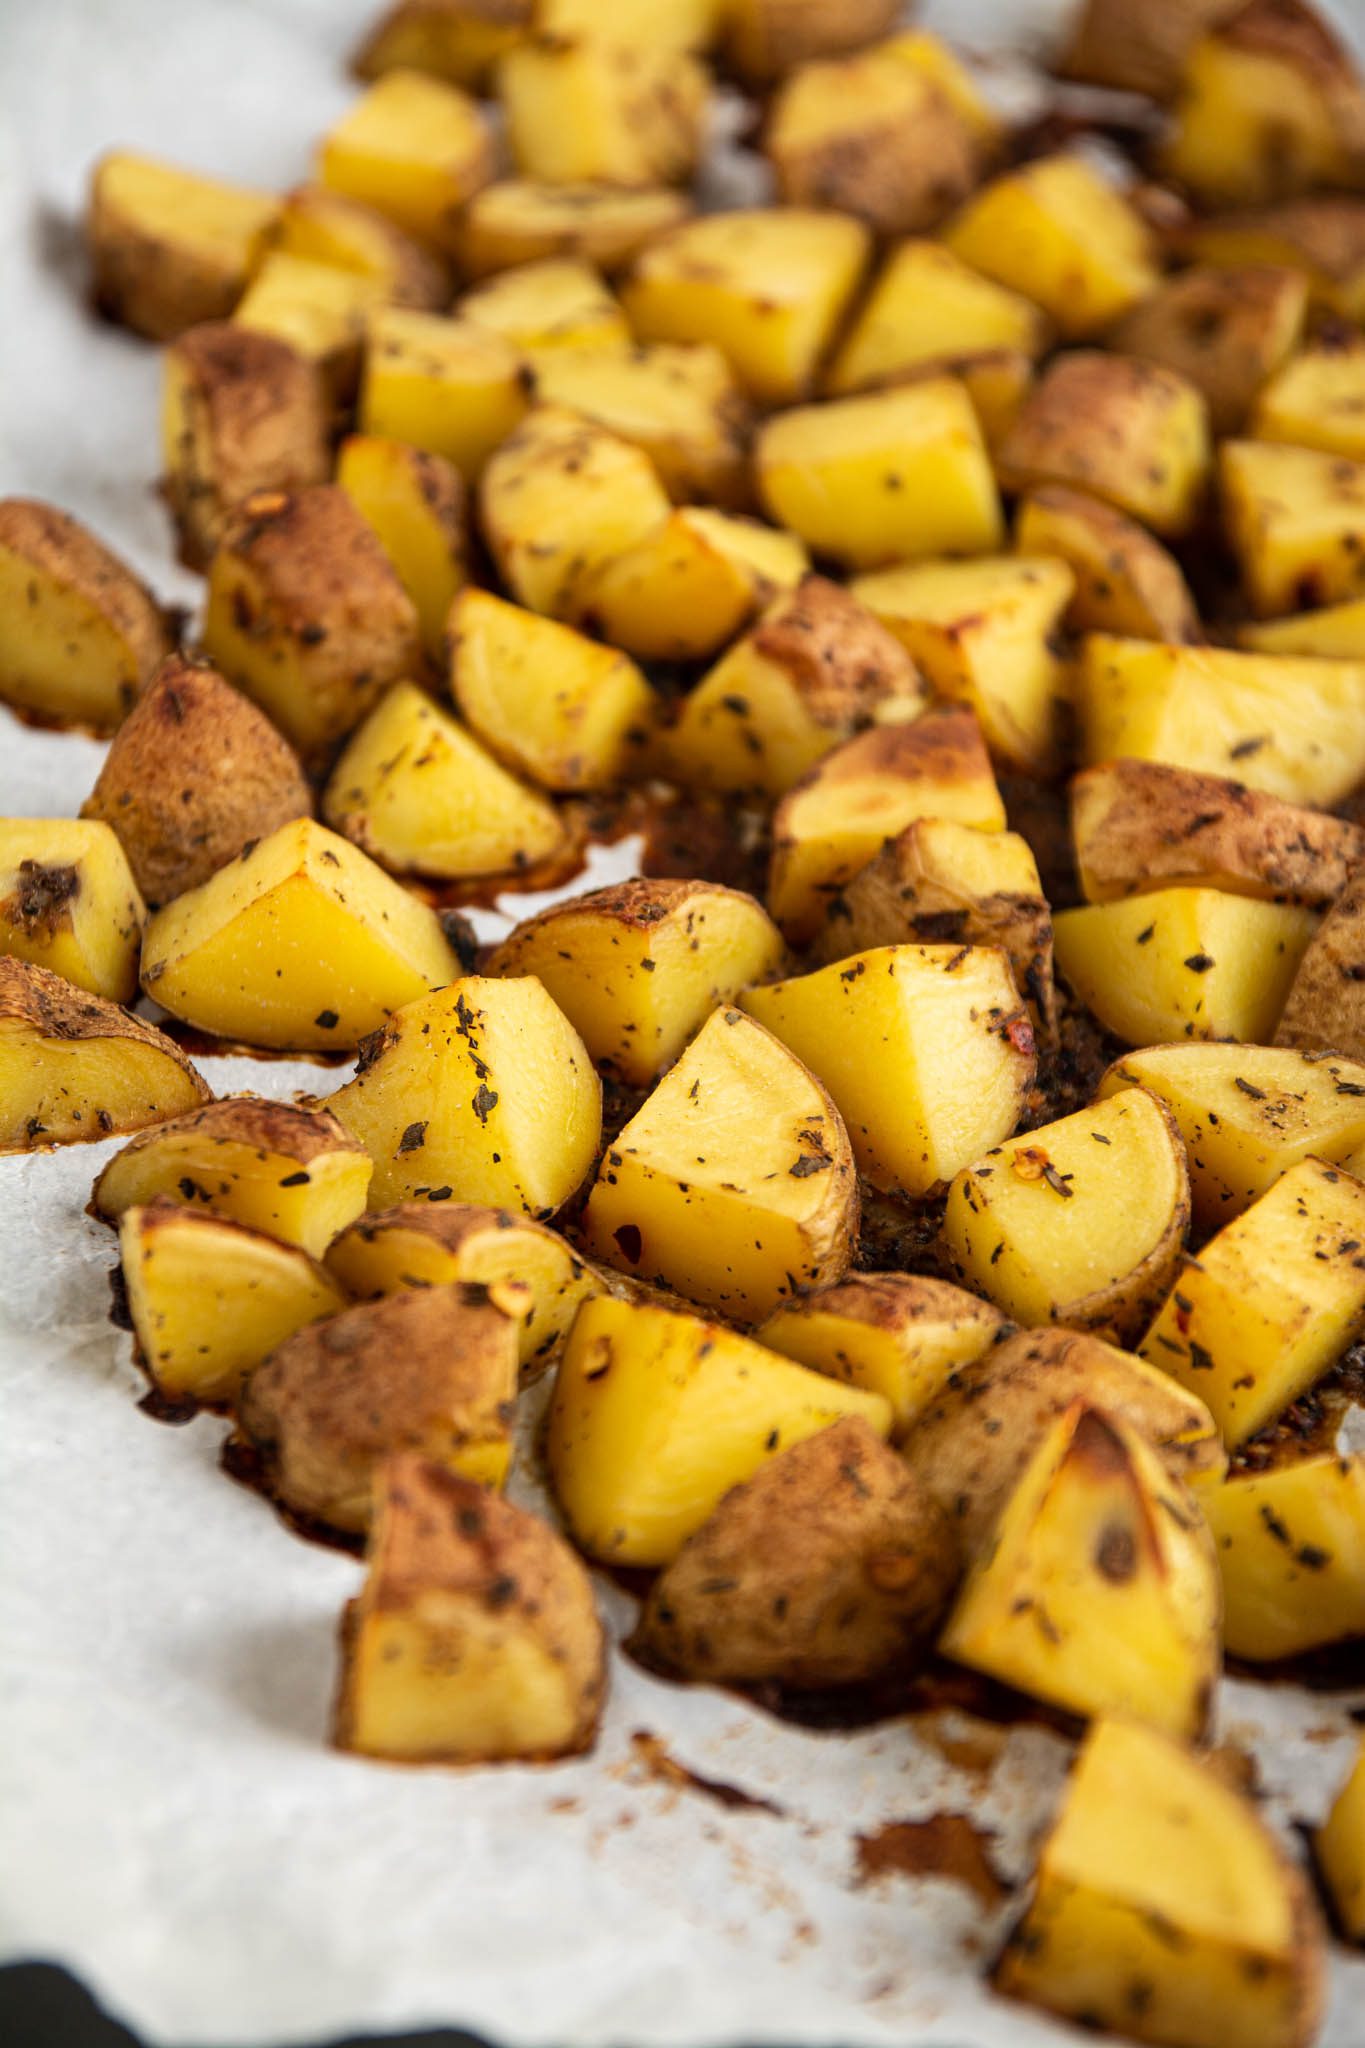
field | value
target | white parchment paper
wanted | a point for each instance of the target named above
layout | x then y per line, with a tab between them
174	1827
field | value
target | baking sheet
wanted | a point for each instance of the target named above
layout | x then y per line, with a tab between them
175	1829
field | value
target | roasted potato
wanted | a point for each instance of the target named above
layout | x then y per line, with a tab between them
1322	236
289	1171
447	386
210	1299
74	1066
307	615
769	1209
1123	580
325	228
1224	331
766	38
415	502
970	1444
689	587
80	636
1098	1587
541	307
301	943
638	967
1325	1009
1291	1546
1136	45
475	1638
1336	631
588	109
413	148
319	310
677	401
1339	1846
675	26
169	248
657	1415
1271	1302
1296	521
68	902
1317	399
897	1334
815	669
927	310
526	220
1165	1908
826	1568
481	1092
458	40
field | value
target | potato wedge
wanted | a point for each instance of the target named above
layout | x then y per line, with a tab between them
291	1172
1247	1113
80	636
68	902
927	309
638	967
1098	1589
75	1066
1124	581
481	1092
1271	1302
587	108
541	307
458	40
1224	331
896	1334
657	1415
1296	521
1325	1009
434	1244
415	502
413	148
210	1299
829	1566
1291	1547
1165	1907
769	1209
526	220
170	247
301	943
1081	1221
971	1443
1340	1856
677	401
325	228
687	589
475	1638
319	310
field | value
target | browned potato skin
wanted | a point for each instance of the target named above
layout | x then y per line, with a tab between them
140	284
971	1445
1165	827
1135	563
1085	421
290	1129
264	420
421	278
1138	45
900	180
840	657
1325	1010
1225	331
193	734
383	1377
828	1566
784	33
60	546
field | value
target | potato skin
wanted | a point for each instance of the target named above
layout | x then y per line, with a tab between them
192	733
901	172
1325	1009
841	659
829	1565
1138	45
767	38
1224	330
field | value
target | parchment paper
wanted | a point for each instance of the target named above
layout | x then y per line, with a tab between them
174	1827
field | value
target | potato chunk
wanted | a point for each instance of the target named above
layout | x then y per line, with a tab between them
415	502
766	286
1316	400
75	1066
1139	825
971	1443
447	386
1336	631
1098	1589
525	220
638	967
1271	1301
413	148
985	634
79	635
677	401
1127	431
1081	1221
319	310
325	228
1322	236
241	412
68	902
883	476
431	1370
815	669
1291	1546
926	1050
672	26
481	1092
832	823
1136	45
1340	1848
765	38
169	247
458	40
1224	331
210	1299
434	1244
1223	713
1247	1113
591	109
307	616
1296	521
292	1172
687	589
1324	1009
1057	232
769	1208
541	307
561	496
896	1334
827	1567
657	1415
926	310
301	943
1165	1908
475	1638
1183	963
565	710
421	796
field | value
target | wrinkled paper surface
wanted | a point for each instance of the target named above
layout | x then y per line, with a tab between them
175	1828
